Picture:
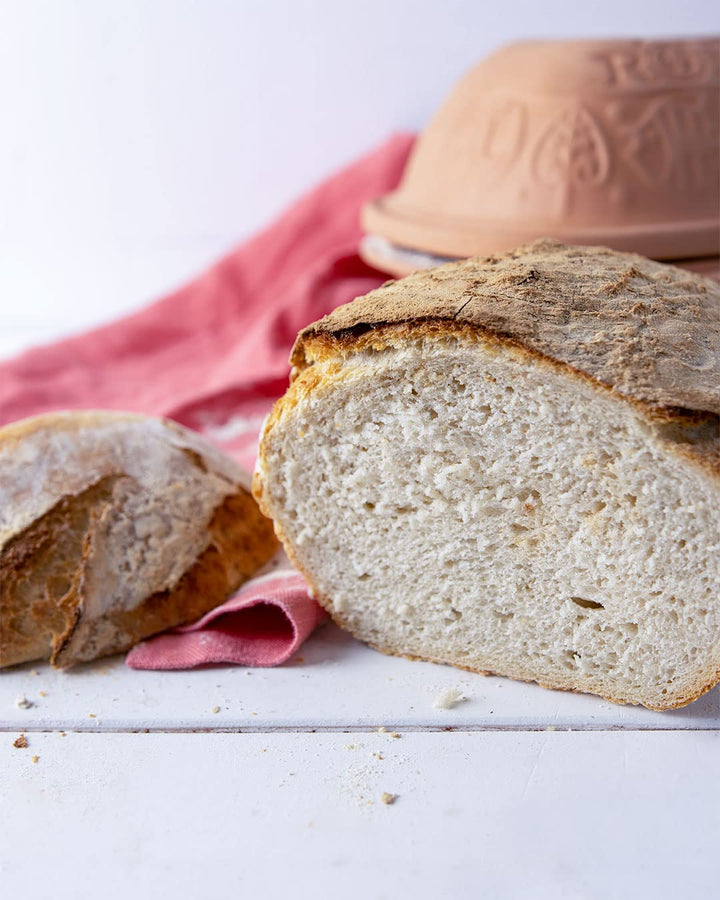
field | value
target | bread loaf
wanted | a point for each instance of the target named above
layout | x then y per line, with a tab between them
512	465
114	527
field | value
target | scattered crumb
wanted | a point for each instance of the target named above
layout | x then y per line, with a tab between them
350	746
35	758
394	734
22	702
300	659
42	693
378	755
254	713
63	734
34	672
20	742
216	709
388	799
449	698
92	716
382	729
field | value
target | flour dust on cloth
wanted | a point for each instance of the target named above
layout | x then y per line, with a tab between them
214	356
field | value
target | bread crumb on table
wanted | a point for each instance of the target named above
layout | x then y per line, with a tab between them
20	742
22	702
35	758
383	730
387	798
216	709
449	698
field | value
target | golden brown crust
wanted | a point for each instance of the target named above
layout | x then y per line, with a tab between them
30	620
242	540
649	331
189	533
43	626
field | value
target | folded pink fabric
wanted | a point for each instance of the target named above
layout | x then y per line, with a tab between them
213	356
263	625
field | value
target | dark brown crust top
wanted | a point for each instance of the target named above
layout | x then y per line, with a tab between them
649	331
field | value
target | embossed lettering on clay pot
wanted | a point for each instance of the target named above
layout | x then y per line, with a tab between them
591	142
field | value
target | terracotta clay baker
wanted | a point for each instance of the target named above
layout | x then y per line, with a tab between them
591	142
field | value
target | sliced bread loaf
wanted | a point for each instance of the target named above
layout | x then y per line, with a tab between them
114	527
512	465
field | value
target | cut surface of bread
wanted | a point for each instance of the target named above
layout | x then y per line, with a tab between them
455	495
114	527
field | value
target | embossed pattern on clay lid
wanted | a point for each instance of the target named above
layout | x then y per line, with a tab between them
613	142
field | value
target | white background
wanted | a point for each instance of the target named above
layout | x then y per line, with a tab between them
139	141
143	138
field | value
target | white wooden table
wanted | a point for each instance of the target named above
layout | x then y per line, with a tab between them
226	781
133	782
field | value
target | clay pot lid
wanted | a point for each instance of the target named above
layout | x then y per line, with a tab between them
401	261
591	142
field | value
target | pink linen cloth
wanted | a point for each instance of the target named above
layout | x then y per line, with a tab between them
262	625
213	356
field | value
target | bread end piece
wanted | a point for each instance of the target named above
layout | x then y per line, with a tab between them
116	527
489	494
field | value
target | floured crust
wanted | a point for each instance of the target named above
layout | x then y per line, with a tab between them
114	527
98	444
649	331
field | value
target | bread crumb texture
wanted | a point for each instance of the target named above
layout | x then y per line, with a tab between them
480	465
20	742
